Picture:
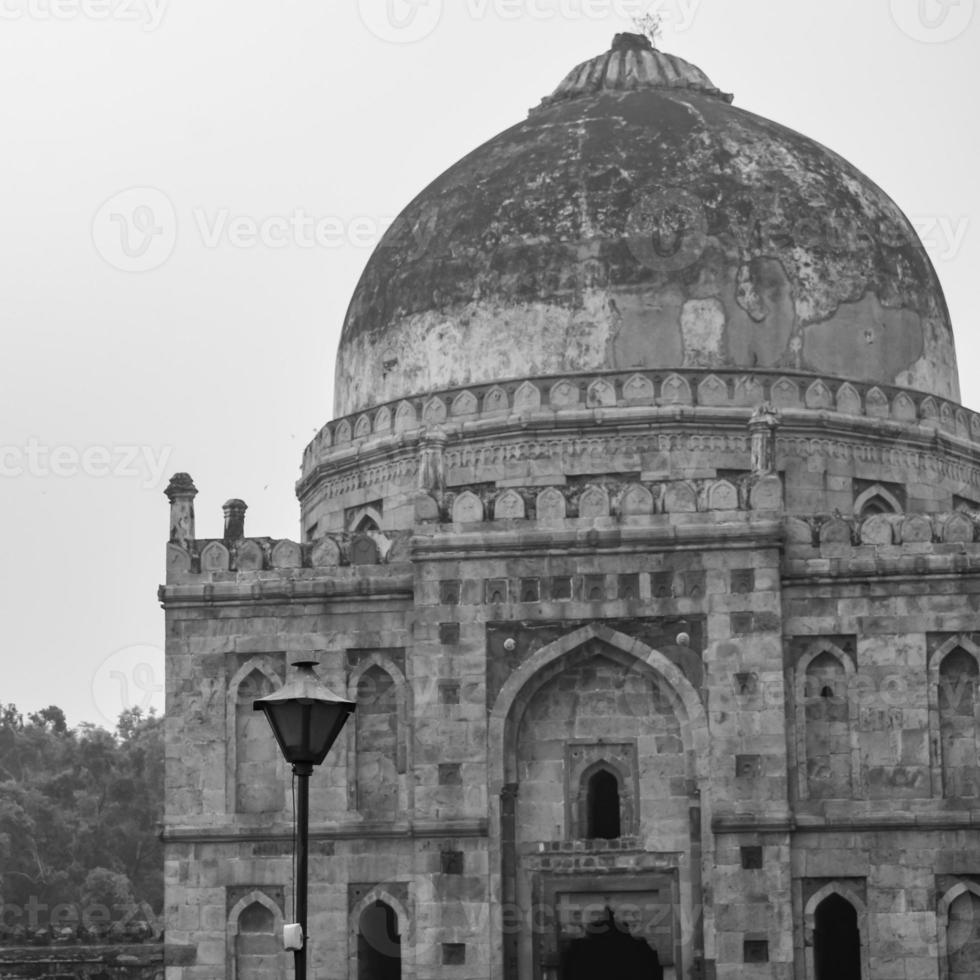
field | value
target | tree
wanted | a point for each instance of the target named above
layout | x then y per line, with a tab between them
79	811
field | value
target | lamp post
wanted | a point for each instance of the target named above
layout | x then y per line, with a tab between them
306	718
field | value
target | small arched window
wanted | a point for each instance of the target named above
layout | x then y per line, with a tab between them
877	500
602	806
875	506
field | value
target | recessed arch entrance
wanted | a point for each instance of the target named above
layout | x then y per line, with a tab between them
602	692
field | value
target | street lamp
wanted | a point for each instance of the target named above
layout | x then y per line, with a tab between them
306	718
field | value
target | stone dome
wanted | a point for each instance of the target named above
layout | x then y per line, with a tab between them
636	219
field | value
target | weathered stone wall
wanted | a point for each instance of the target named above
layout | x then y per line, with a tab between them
499	602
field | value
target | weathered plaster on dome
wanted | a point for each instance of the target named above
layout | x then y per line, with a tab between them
654	228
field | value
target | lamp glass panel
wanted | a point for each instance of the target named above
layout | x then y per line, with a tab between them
287	721
326	720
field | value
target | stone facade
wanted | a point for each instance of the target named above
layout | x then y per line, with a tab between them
679	661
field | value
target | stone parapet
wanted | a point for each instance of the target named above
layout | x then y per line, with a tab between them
625	396
833	547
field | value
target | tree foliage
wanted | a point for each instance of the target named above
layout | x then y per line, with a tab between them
80	810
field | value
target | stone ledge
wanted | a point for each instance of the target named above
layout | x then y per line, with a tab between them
571	541
866	822
398	585
351	831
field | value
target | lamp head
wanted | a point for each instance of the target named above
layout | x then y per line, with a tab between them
305	715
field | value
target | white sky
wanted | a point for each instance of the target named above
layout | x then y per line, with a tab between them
218	361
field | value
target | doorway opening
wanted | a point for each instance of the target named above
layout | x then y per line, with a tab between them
606	949
836	940
379	946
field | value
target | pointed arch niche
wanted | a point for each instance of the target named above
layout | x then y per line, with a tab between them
255	775
958	924
954	718
377	760
876	500
565	733
380	937
827	748
835	930
253	947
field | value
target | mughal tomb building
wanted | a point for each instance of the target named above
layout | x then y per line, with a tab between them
645	537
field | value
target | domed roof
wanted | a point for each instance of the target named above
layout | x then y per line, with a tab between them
638	220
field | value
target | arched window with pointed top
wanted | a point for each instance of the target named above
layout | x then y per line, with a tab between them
602	806
876	500
363	520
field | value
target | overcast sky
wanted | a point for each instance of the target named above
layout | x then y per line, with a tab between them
160	329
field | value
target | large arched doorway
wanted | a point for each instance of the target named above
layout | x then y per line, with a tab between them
578	745
608	948
836	940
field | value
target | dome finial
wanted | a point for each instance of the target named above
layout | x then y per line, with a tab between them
632	64
632	42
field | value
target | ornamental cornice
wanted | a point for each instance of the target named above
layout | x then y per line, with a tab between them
616	396
801	434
